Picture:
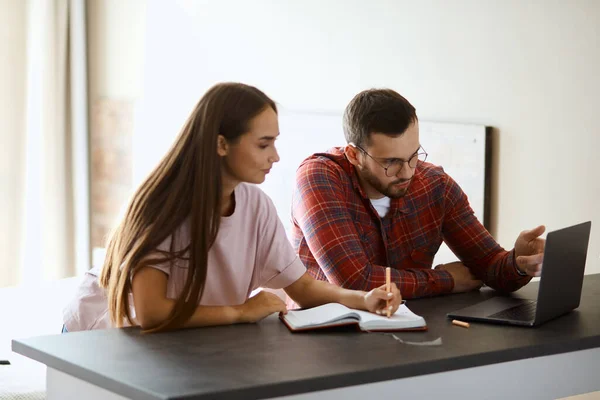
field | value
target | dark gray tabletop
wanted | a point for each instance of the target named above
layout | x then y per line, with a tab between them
266	360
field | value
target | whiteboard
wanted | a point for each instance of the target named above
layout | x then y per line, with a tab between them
459	148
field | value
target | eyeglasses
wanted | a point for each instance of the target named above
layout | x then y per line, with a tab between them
394	166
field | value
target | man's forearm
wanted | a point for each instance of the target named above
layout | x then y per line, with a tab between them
412	282
502	273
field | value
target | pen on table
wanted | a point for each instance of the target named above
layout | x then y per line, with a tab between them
388	288
460	323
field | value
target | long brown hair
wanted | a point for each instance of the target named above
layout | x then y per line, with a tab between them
185	184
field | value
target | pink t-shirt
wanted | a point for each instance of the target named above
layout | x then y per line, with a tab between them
251	251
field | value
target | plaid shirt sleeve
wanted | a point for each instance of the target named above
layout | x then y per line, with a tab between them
321	212
474	245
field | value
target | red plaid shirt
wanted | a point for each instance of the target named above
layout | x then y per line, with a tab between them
340	237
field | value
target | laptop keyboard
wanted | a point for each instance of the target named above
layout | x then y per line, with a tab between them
523	312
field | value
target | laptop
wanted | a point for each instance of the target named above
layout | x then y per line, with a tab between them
559	290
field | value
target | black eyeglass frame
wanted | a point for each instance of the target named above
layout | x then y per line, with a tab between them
399	160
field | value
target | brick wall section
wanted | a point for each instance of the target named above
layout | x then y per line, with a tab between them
111	132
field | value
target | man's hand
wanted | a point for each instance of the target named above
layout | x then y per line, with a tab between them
464	280
529	251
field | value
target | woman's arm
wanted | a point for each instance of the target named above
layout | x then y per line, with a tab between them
308	292
152	306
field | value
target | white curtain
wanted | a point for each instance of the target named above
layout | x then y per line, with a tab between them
51	227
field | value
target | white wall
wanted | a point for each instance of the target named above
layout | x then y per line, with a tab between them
527	68
12	118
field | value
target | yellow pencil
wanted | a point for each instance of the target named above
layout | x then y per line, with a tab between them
388	287
460	323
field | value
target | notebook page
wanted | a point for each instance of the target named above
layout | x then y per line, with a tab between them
402	318
318	315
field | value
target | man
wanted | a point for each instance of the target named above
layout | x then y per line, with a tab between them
376	203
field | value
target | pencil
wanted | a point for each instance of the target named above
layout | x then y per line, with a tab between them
388	287
460	323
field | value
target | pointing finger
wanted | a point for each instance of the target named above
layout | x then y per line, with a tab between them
533	233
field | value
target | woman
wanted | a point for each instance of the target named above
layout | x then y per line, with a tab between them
197	239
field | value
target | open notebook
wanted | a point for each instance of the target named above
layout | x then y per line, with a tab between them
334	314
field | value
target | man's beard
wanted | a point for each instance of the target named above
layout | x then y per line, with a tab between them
387	190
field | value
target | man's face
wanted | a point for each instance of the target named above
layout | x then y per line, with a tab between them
386	151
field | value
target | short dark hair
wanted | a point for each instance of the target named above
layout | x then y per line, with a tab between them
377	110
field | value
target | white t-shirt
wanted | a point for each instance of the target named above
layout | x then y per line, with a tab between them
382	205
251	251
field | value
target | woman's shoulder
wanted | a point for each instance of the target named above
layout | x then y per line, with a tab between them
176	241
252	193
253	200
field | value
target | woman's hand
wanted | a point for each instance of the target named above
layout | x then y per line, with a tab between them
376	301
261	306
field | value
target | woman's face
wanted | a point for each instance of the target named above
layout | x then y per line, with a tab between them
250	158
